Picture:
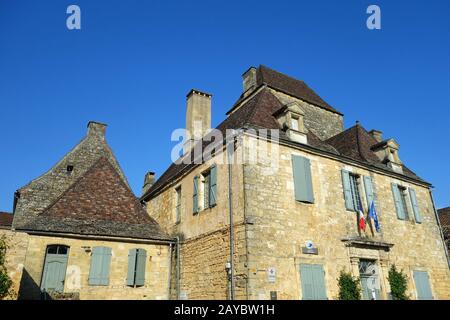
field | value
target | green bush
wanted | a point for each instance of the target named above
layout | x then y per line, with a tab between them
5	281
349	287
398	282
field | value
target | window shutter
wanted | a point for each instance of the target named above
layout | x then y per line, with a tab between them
140	267
349	203
131	267
306	277
100	262
415	205
398	201
303	188
213	186
195	195
368	186
313	282
423	288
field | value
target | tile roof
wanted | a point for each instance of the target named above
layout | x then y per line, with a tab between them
289	85
257	112
6	219
444	218
98	203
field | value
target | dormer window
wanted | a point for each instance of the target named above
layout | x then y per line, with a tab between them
387	152
290	118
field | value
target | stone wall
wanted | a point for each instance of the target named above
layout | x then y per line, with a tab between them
323	123
282	226
76	281
17	243
204	236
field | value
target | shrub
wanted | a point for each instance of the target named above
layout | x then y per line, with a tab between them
349	287
398	282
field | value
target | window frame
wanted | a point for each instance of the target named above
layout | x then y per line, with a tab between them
178	197
355	191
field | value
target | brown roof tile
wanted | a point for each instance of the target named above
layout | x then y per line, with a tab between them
98	203
444	218
289	85
6	219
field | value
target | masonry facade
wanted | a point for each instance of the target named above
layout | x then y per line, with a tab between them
296	210
78	232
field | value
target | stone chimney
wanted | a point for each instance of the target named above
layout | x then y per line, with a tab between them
249	80
96	129
198	117
149	180
377	135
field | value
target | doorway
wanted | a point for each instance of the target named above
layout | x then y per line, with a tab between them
370	281
55	266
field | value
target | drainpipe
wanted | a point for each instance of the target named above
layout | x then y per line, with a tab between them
169	289
440	228
178	276
230	152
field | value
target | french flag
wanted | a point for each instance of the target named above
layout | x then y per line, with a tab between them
361	219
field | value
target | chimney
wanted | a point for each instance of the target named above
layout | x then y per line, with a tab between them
96	129
198	117
249	80
149	180
377	135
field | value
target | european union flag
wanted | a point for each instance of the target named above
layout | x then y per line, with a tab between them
374	216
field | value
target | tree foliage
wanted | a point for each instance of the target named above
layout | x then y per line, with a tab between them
5	280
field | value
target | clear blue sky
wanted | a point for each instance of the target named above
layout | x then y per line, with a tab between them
133	62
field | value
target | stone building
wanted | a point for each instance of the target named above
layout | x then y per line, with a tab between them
444	218
80	233
295	212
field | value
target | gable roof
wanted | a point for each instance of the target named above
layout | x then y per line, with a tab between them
98	203
6	219
291	86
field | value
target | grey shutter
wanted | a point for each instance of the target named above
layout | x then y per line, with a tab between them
140	267
301	168
398	202
195	196
213	186
100	262
415	205
368	186
313	282
131	267
423	288
348	197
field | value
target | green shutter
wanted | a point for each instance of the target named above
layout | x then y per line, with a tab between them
398	202
349	203
415	205
368	186
301	168
131	267
213	186
100	262
195	195
140	267
313	282
423	288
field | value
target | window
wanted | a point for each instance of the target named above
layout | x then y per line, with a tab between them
195	196
403	197
136	267
294	123
100	262
399	194
352	196
178	204
209	187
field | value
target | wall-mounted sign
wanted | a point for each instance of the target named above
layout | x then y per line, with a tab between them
309	248
271	274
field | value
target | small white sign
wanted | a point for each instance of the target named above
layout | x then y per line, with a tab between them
271	274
